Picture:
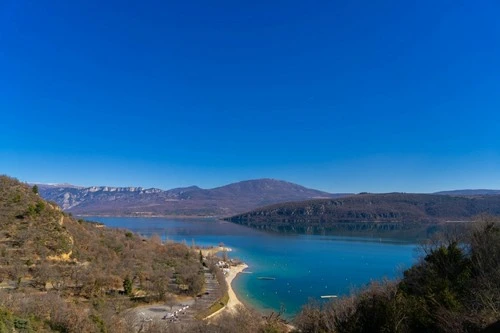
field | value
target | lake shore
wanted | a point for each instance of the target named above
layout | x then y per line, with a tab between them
214	250
378	256
233	301
233	298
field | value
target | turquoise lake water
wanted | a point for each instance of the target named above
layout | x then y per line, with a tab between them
303	266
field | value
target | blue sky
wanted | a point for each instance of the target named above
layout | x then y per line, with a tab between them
344	96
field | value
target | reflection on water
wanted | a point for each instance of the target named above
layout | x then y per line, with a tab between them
301	266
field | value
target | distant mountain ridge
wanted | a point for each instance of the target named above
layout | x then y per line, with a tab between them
191	201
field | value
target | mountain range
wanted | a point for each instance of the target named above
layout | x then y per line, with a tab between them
223	201
186	201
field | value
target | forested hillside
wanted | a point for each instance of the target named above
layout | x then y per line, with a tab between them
362	212
66	275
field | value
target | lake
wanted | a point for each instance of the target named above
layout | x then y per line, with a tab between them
303	267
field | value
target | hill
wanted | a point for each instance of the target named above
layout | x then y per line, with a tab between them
65	275
194	201
391	211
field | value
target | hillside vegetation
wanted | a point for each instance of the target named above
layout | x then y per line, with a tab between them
392	212
60	274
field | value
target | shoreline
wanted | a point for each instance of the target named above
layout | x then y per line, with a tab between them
210	251
233	298
233	301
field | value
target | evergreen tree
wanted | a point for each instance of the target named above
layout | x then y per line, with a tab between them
127	286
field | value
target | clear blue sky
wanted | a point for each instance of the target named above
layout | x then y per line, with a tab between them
344	96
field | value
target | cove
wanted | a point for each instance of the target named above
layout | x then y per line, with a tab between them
285	270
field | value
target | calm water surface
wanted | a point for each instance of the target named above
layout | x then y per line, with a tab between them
303	266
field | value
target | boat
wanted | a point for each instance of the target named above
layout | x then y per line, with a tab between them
266	278
329	296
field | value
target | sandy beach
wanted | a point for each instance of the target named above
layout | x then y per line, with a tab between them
233	299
